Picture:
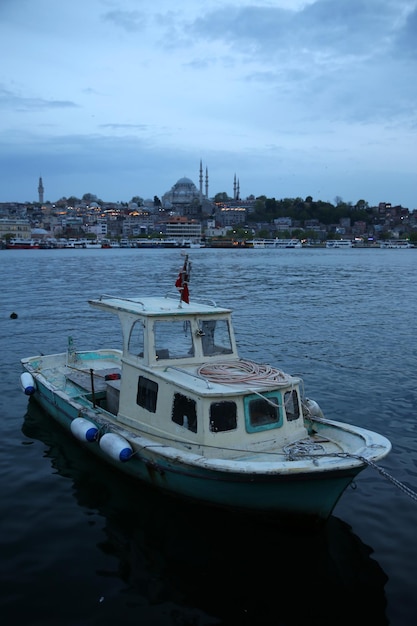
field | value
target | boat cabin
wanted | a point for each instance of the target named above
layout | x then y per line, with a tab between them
182	377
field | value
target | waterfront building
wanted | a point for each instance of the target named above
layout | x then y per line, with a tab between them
141	223
231	215
15	227
181	229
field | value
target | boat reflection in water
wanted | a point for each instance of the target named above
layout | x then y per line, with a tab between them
180	563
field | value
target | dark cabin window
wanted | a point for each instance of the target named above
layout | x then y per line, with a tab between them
263	411
147	394
223	416
292	407
184	412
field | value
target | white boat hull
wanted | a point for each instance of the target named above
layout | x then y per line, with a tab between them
306	487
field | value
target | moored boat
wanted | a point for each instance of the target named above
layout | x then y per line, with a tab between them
190	243
276	243
396	244
339	243
19	243
74	242
176	407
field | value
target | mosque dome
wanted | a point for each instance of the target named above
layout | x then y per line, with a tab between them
184	192
39	231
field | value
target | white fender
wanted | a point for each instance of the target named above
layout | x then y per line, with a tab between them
28	384
83	429
116	447
313	407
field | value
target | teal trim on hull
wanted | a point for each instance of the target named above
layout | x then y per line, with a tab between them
310	496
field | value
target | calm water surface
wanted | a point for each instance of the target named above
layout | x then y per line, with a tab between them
82	547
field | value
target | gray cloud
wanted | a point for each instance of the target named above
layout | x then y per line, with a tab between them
124	126
405	43
351	27
130	21
340	56
16	102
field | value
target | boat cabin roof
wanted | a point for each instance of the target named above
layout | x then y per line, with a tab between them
156	306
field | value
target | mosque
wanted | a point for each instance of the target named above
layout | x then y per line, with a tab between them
185	199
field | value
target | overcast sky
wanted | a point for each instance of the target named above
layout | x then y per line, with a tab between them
121	98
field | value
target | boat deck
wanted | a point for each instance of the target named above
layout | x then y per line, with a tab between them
310	446
85	379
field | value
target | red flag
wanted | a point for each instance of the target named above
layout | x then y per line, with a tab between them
182	281
185	295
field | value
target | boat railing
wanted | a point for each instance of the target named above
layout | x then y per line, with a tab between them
171	295
106	296
207	301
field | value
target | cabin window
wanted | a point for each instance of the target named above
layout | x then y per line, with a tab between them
184	412
262	412
147	394
223	416
292	407
173	339
136	339
215	337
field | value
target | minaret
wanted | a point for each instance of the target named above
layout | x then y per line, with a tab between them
40	191
206	183
201	180
234	188
238	190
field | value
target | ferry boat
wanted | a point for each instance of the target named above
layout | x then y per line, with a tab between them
168	242
18	243
277	243
190	243
339	243
397	244
74	242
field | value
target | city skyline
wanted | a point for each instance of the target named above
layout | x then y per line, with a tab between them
202	187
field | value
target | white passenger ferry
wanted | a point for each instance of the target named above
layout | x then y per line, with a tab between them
398	244
277	243
339	243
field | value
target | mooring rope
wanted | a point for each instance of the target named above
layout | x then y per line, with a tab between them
408	492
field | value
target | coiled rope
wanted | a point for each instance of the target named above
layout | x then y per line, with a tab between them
249	372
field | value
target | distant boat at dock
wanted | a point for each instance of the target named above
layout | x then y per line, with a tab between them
18	243
398	244
277	243
339	243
